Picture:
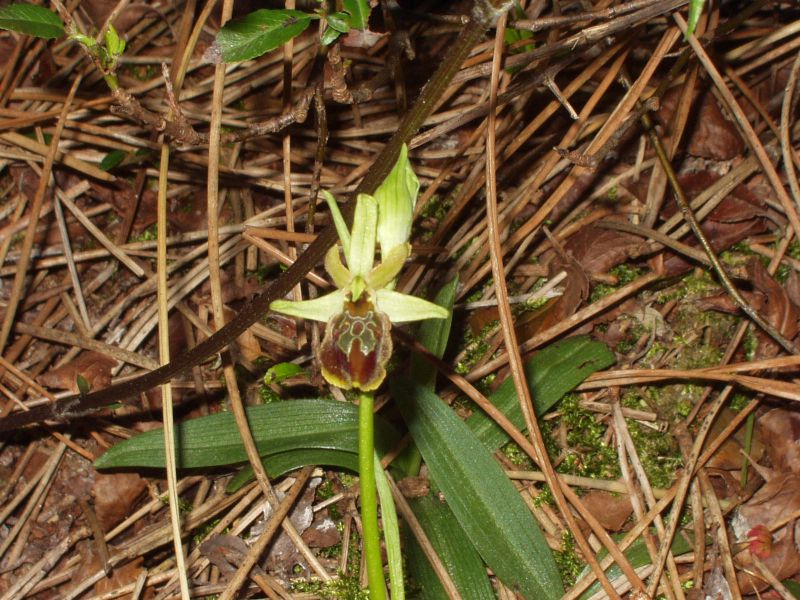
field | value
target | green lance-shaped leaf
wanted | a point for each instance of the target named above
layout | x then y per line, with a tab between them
278	428
462	562
31	19
551	373
483	500
259	32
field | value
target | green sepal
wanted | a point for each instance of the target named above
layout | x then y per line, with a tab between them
317	309
338	221
402	308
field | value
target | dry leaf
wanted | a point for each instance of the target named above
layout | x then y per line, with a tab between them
597	250
114	496
709	133
780	431
610	510
94	367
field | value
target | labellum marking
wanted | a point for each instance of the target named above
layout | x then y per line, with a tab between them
356	347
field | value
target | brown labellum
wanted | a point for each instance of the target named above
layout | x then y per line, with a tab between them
356	347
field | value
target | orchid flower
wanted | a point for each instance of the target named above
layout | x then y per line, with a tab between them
359	314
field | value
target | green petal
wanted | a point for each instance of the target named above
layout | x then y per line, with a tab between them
396	198
338	221
402	308
333	265
384	274
362	241
318	309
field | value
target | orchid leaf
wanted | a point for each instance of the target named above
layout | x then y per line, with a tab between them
551	373
279	427
391	531
485	503
463	563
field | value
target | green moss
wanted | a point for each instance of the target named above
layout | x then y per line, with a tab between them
624	273
148	235
474	348
569	562
202	533
658	452
516	456
587	454
739	401
782	273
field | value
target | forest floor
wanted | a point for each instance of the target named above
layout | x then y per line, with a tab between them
662	366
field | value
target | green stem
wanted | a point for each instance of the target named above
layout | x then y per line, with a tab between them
369	498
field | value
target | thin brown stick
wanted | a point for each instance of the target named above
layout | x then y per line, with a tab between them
510	338
35	209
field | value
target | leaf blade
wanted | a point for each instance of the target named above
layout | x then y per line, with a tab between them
260	32
277	428
485	503
454	549
359	12
31	19
551	373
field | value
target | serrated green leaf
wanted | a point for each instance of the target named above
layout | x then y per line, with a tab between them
112	159
483	500
359	13
31	19
454	549
277	428
551	373
259	32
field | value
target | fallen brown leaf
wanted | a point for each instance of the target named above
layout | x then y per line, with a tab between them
94	367
610	510
114	496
